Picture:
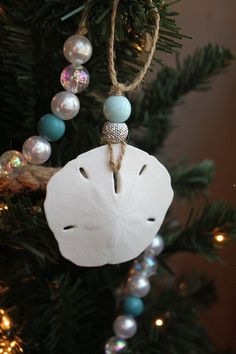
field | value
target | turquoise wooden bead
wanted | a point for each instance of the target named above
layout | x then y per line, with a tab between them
117	109
51	127
133	305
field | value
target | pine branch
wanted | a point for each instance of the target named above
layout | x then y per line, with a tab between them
181	331
151	119
189	181
198	288
198	235
24	227
63	324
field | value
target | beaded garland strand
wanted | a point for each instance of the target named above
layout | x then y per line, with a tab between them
137	287
65	105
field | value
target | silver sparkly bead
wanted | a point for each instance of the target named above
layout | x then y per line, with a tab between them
125	326
65	105
115	345
156	247
36	150
77	49
114	132
138	285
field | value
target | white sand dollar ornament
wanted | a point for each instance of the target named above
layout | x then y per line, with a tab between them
98	219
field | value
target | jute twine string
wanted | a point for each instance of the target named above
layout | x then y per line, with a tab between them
37	177
115	165
83	29
119	88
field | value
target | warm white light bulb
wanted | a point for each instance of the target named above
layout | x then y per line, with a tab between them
159	322
219	238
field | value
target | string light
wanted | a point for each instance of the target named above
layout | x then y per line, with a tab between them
10	346
3	206
159	322
5	321
220	238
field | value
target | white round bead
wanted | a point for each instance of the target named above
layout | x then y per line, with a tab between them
138	285
36	150
156	247
117	109
125	327
77	49
65	105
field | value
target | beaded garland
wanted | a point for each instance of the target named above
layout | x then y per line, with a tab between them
137	287
65	105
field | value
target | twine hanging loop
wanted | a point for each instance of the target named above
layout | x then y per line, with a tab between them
119	88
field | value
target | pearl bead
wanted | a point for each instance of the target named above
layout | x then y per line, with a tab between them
133	305
12	164
115	345
125	327
36	150
114	132
50	127
65	105
156	247
75	78
77	49
117	109
138	285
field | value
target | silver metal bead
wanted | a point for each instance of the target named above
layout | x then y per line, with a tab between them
114	132
138	285
125	326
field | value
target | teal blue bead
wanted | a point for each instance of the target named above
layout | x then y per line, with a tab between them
51	127
117	109
133	305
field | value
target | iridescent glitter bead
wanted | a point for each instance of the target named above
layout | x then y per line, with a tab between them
145	265
12	164
114	132
75	78
115	345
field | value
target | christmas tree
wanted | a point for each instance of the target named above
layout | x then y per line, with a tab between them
48	304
